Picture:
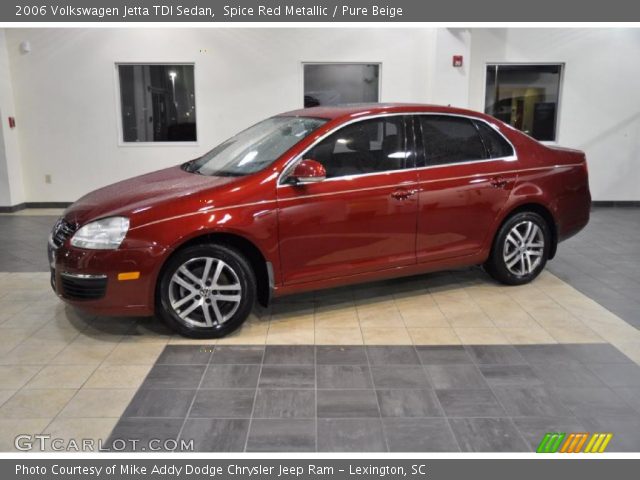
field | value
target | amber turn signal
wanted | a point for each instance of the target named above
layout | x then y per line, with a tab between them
128	276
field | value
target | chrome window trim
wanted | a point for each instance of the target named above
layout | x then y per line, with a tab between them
291	163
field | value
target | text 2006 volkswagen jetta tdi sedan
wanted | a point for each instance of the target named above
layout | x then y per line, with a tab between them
317	198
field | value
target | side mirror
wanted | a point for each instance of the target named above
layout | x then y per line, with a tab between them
308	171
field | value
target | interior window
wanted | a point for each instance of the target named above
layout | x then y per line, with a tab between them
449	139
369	146
496	145
525	96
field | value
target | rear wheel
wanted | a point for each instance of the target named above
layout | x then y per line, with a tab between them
206	291
520	249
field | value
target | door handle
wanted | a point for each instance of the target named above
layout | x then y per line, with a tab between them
403	194
499	182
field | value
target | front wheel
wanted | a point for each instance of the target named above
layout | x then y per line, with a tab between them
520	249
206	291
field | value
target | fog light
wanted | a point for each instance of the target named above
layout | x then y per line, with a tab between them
128	276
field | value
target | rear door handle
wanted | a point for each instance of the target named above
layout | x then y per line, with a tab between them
403	193
499	182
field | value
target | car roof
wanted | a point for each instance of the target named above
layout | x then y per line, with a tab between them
361	109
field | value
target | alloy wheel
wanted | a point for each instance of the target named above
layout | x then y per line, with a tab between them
523	248
205	292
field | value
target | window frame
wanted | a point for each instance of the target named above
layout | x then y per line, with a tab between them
303	63
118	102
421	150
409	141
562	66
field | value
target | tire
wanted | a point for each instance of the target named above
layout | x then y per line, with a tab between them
197	309
513	262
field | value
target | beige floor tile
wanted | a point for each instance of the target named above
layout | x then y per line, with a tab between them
517	318
551	314
10	338
348	319
16	376
97	429
10	428
573	334
527	336
293	322
100	402
85	351
386	336
532	300
250	333
134	354
6	395
379	314
33	351
620	333
430	316
148	331
471	320
295	336
338	336
434	336
37	403
30	321
118	376
61	376
52	333
418	300
480	336
453	308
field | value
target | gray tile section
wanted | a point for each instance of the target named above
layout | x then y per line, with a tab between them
424	399
603	261
24	243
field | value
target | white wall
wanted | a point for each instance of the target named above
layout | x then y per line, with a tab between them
450	85
65	90
600	98
11	184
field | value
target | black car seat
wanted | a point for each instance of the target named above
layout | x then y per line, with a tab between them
358	159
391	145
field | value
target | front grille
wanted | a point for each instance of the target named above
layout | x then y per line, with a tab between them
83	288
62	230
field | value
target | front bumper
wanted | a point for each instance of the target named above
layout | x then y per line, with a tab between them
88	279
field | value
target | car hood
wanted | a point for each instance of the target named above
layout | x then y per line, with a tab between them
141	194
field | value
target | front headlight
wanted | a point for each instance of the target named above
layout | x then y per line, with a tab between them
105	234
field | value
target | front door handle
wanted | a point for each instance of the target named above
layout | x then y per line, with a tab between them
403	193
499	182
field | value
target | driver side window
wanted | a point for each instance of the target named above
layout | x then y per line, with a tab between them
370	146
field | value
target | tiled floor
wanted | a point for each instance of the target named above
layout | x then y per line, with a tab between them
73	375
603	261
383	398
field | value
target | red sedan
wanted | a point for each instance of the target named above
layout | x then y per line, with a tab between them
317	198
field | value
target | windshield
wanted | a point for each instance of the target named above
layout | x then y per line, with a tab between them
255	148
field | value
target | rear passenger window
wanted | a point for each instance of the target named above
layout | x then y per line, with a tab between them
496	145
449	139
370	146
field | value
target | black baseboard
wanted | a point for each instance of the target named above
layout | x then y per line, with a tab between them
616	203
22	206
